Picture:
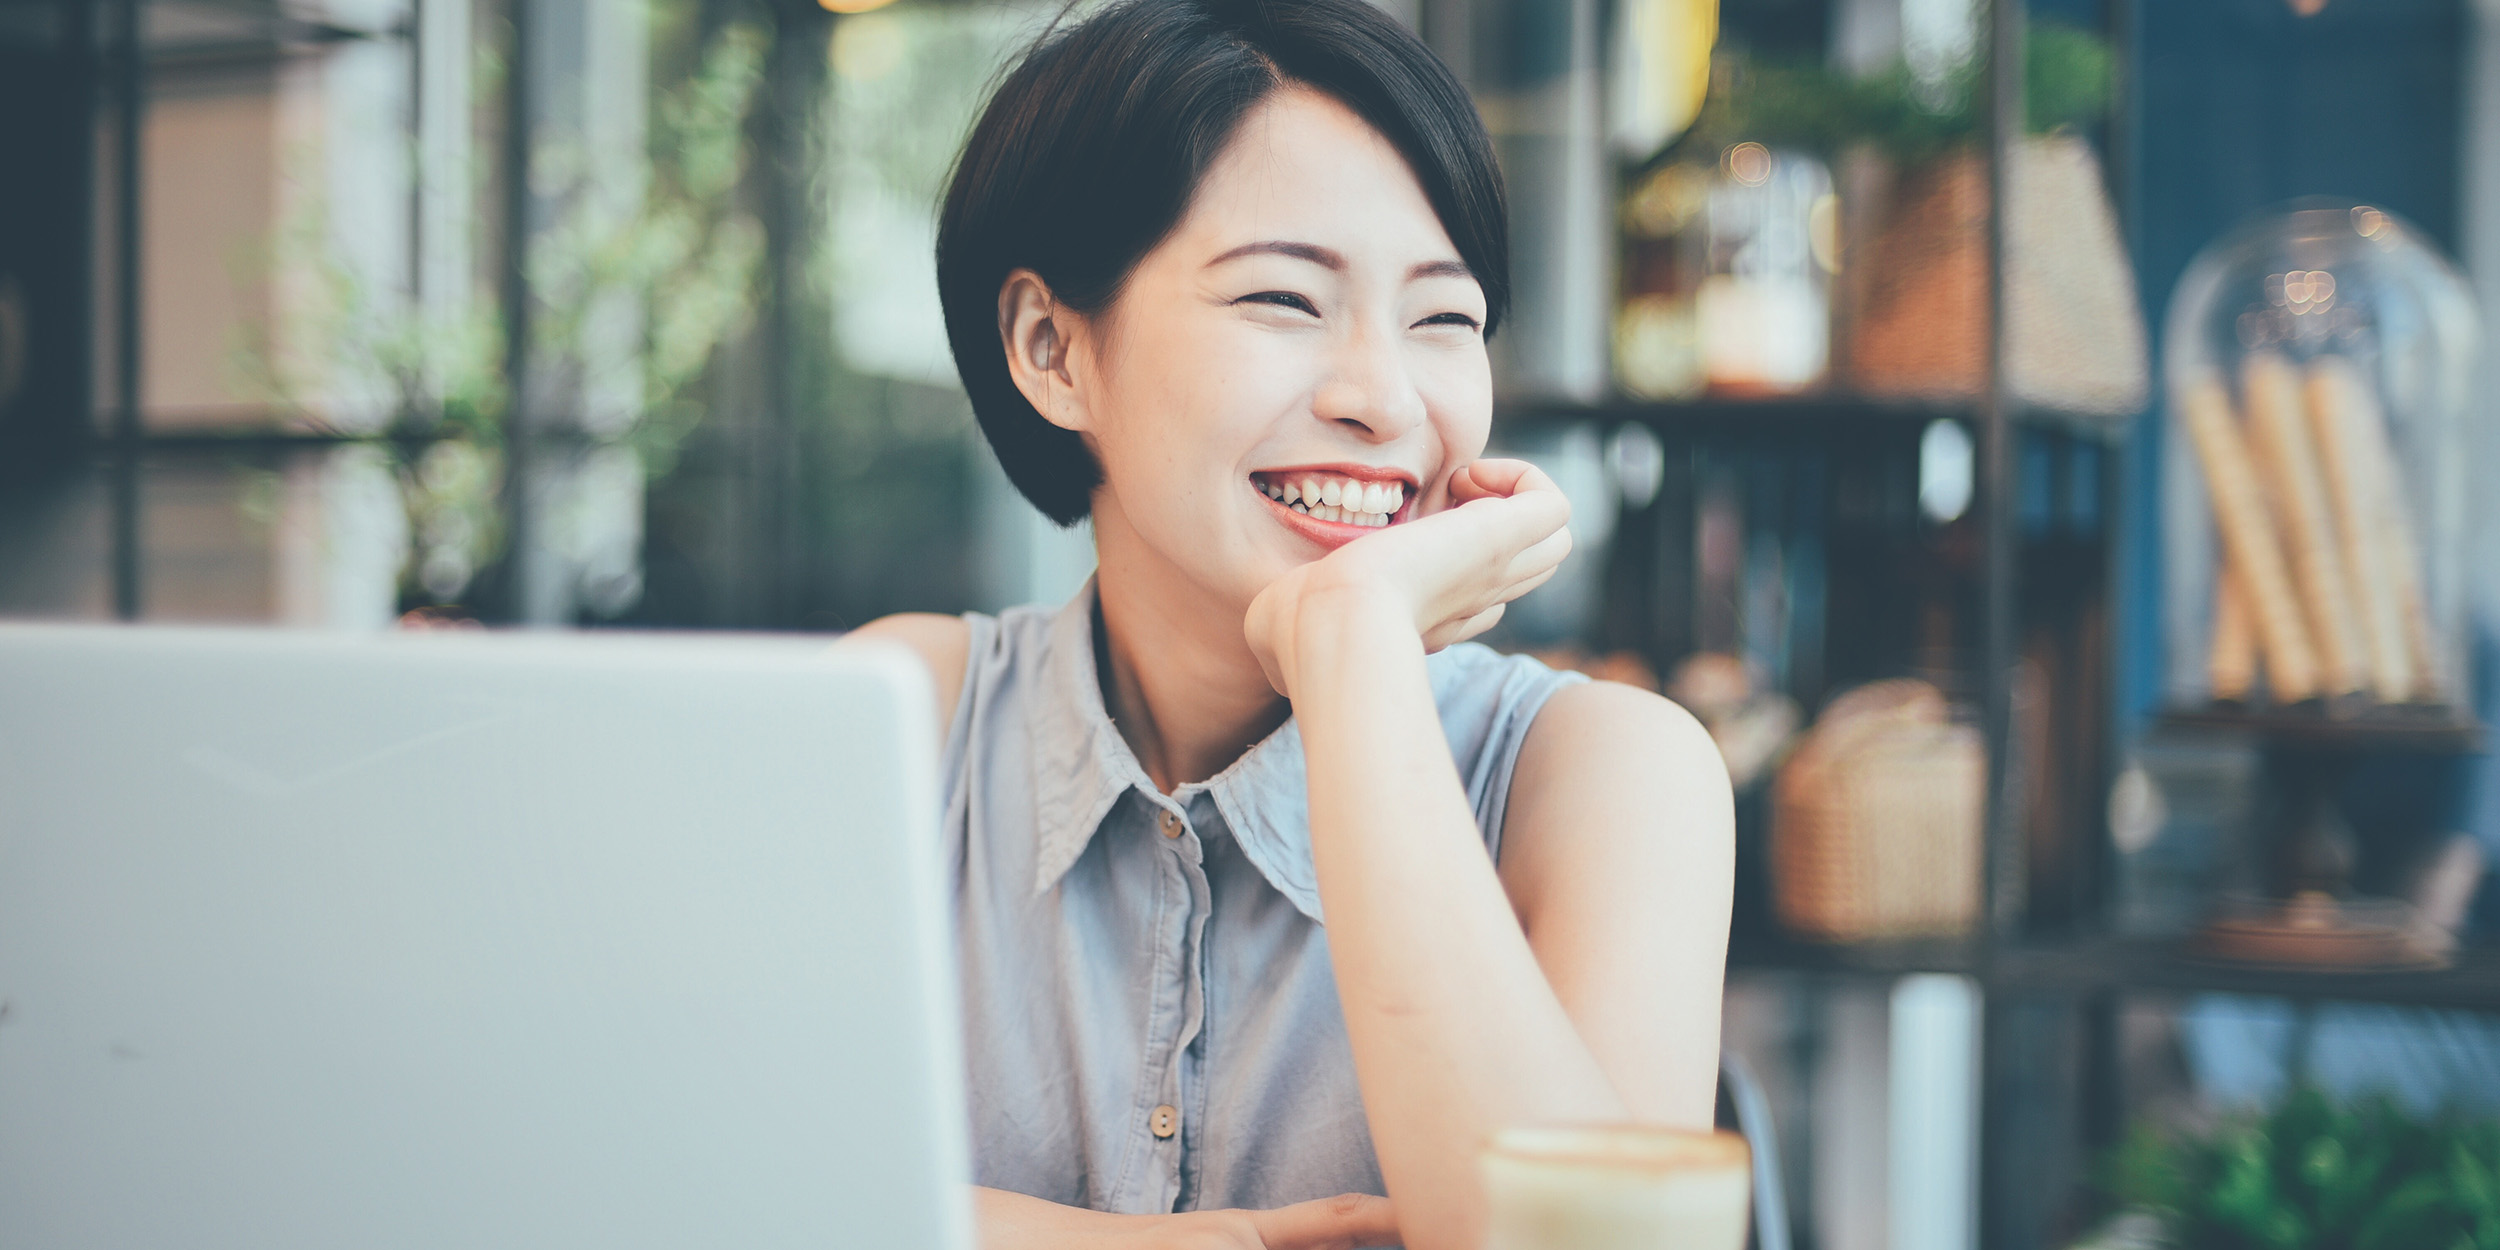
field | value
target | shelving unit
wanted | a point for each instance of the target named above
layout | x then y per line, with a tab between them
2028	573
2054	974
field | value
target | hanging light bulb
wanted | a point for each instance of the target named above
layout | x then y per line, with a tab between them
2306	8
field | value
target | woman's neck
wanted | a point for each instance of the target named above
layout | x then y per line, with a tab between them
1179	679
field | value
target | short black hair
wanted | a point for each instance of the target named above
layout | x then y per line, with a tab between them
1088	153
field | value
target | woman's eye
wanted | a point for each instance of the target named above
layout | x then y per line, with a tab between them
1281	299
1450	319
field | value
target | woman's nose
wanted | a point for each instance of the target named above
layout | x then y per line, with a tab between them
1368	389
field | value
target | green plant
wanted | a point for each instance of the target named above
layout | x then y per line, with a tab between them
687	256
658	268
2312	1174
2067	77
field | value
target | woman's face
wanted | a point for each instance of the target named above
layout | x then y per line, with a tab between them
1307	330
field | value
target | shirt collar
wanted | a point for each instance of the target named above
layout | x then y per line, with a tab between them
1082	767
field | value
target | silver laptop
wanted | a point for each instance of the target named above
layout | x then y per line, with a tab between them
460	942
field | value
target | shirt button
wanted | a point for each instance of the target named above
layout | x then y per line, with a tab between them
1171	829
1165	1121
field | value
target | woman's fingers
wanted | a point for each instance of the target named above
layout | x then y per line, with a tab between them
1495	526
1345	1222
1467	561
1512	592
1453	570
1464	488
1452	632
1483	478
1542	556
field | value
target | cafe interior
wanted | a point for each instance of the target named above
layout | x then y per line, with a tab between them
2036	438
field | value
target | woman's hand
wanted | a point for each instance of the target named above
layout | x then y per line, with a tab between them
1448	575
1011	1221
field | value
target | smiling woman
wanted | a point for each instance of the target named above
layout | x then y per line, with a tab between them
1350	304
1276	896
1096	144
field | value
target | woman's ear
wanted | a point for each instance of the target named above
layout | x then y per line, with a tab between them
1037	331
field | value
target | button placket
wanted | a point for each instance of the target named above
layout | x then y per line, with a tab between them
1165	1123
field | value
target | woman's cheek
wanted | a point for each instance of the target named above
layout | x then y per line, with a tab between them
1463	422
1457	384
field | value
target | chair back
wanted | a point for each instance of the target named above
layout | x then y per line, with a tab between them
1744	1107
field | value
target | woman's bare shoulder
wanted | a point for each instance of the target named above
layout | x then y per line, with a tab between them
943	643
1628	718
1614	758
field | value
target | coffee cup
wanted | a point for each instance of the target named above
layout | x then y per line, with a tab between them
1616	1187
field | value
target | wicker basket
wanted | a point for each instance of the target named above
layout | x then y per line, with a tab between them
1876	820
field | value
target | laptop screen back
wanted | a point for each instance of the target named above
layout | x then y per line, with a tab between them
470	942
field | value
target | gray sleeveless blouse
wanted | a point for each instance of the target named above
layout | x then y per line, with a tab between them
1151	1021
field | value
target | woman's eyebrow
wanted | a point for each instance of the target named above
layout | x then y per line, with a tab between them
1335	261
1311	252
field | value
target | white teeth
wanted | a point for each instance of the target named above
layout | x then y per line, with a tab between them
1343	500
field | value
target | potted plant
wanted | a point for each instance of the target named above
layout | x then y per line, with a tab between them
2314	1174
1916	203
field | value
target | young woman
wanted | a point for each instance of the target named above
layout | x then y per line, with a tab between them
1270	886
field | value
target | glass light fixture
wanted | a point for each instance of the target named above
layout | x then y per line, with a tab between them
2319	360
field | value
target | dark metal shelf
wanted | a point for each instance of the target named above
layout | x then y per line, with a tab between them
1819	415
193	34
1753	953
2123	966
2164	966
178	442
2357	727
1822	414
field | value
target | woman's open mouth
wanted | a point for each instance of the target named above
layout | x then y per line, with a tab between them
1334	505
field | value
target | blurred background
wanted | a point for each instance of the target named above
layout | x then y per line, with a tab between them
2043	439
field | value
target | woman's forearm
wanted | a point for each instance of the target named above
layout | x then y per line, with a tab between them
1455	1030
